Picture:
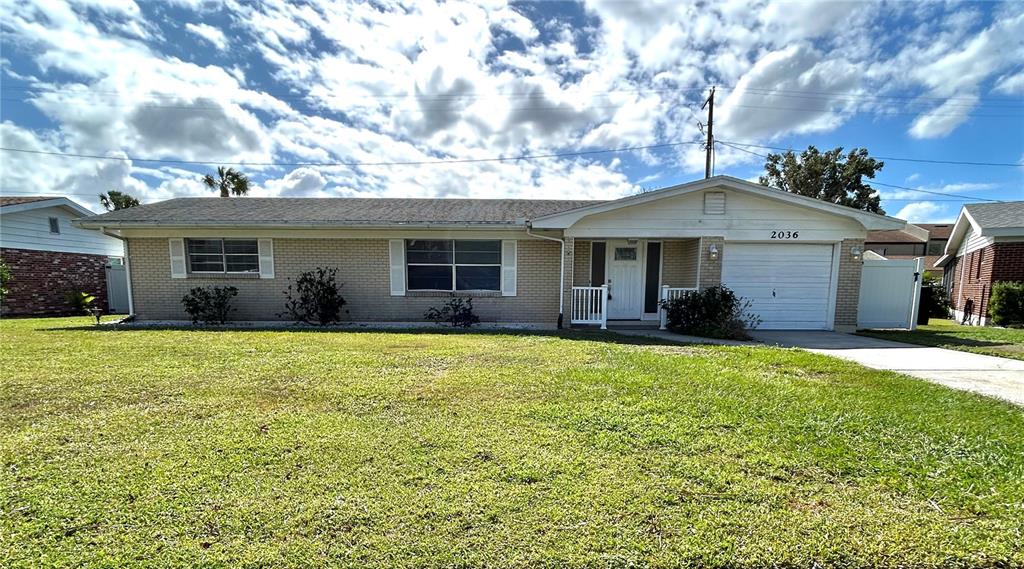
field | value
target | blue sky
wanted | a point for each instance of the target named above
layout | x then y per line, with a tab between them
330	82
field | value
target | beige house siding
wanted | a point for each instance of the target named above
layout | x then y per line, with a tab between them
363	268
848	289
581	263
679	263
711	270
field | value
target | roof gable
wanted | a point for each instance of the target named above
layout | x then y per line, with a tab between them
563	220
16	204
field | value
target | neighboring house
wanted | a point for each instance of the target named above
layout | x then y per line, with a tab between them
926	240
529	261
986	246
48	256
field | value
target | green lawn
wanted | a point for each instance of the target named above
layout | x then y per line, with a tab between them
1005	342
214	448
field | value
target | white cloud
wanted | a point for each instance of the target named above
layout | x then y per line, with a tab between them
943	119
924	212
210	34
1011	84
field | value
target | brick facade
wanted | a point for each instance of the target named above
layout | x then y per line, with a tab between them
848	288
973	274
710	269
679	263
40	279
363	268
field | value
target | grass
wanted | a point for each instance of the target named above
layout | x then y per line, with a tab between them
300	448
939	333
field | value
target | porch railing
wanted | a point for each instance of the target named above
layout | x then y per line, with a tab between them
670	293
590	305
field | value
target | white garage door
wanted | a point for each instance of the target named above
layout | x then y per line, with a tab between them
789	284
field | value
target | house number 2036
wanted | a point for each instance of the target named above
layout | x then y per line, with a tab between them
785	234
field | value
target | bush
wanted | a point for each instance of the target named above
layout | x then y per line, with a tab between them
83	303
5	277
714	312
314	299
211	304
458	312
934	303
1006	305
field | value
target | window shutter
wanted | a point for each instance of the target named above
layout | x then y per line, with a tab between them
266	250
178	267
396	250
509	251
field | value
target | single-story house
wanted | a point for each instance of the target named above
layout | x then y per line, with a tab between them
926	240
49	257
542	262
986	246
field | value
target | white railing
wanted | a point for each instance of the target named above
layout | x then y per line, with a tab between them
670	293
589	305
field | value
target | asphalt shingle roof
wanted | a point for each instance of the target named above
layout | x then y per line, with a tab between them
10	200
1000	214
892	236
342	211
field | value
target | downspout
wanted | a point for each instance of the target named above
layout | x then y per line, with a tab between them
561	270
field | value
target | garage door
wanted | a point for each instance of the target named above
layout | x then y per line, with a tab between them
788	284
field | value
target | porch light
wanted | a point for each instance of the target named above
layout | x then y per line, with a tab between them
713	252
856	253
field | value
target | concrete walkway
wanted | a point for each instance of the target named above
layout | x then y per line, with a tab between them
988	375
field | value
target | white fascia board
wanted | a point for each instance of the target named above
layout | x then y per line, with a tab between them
99	223
870	221
55	202
956	235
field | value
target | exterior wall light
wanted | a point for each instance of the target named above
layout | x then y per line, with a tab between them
856	253
713	252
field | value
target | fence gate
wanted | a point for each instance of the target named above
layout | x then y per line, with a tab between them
117	289
890	292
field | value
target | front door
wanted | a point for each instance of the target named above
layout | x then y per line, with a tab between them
625	280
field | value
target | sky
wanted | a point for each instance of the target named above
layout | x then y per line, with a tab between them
321	99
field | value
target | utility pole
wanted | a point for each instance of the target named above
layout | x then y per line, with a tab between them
710	146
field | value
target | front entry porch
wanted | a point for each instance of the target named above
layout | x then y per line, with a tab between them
621	280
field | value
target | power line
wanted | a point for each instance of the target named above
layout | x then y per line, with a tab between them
877	183
356	164
893	158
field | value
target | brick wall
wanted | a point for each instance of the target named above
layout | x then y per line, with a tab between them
39	280
581	264
975	272
848	289
679	263
711	270
363	268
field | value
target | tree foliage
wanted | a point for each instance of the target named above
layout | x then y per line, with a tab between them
5	277
229	182
115	200
828	176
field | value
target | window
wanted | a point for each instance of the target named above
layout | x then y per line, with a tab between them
223	256
453	265
936	247
625	253
981	259
54	225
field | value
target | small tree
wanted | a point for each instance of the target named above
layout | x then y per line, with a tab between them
211	304
315	298
228	182
115	200
827	176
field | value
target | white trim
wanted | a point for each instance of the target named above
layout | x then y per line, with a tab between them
178	258
58	202
564	220
509	267
396	263
265	257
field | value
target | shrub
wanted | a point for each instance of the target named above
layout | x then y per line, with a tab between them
211	304
314	298
457	311
83	303
1006	305
5	277
934	303
714	312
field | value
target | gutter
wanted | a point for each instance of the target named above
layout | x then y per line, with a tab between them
91	224
561	270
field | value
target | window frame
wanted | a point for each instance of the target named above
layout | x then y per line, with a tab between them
223	256
454	265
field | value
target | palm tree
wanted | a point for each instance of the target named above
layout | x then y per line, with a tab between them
115	200
228	181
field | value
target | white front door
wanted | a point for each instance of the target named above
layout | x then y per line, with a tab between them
625	280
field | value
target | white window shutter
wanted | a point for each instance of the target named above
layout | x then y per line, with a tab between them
396	253
178	267
509	252
266	250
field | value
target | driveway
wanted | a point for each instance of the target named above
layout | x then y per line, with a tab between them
988	375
